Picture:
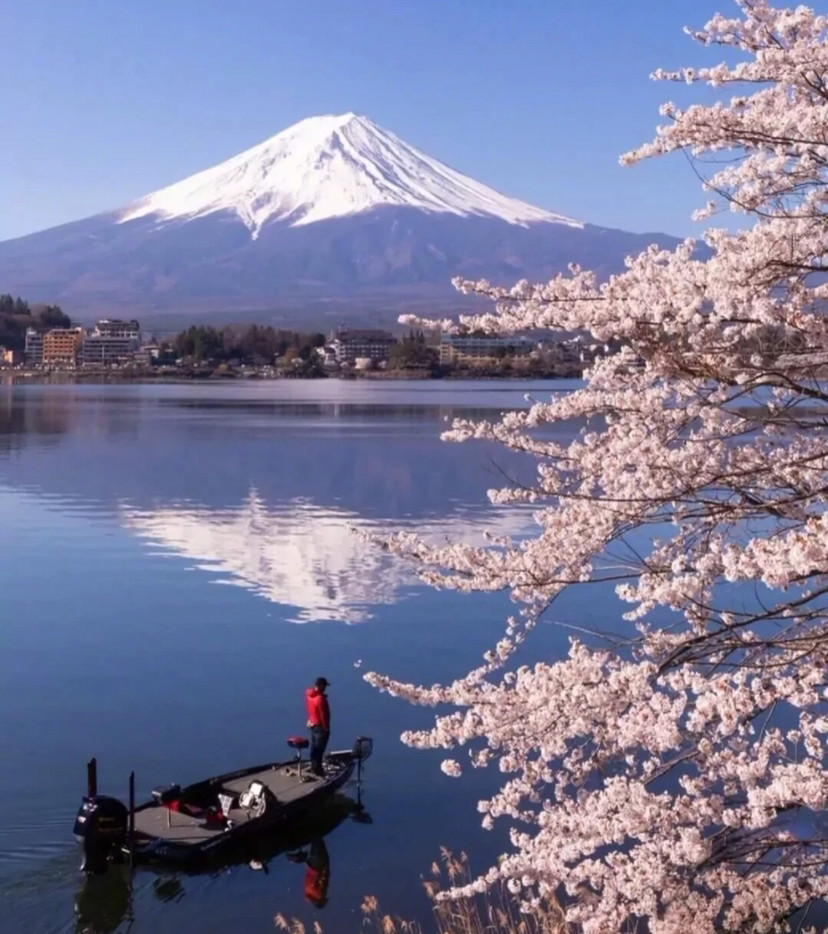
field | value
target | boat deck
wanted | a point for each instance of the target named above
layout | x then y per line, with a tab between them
282	781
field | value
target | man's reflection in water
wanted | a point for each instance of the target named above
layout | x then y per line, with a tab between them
317	871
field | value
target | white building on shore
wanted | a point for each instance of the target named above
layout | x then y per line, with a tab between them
369	343
33	347
482	350
111	341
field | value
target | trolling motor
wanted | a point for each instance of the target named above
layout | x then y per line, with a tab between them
362	749
100	826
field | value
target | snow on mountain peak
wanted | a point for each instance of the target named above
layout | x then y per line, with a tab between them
331	166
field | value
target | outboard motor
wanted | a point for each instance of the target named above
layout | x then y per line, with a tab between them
101	827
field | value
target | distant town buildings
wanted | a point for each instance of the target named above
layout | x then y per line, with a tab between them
373	345
146	354
116	343
10	356
483	350
61	346
114	329
33	348
111	341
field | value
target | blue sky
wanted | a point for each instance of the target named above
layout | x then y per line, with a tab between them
103	101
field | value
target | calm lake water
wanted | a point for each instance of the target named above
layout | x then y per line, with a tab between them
178	563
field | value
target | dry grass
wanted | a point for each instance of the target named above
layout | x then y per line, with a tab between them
497	912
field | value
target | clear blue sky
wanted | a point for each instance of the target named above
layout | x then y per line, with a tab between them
103	101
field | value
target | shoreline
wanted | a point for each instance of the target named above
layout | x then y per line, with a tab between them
172	375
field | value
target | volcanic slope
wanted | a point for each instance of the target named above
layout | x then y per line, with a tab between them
332	213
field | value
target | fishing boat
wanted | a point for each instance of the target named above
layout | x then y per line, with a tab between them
105	901
203	821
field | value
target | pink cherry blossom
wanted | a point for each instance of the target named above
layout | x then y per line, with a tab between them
677	773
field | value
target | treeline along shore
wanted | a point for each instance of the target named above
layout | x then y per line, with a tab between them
39	341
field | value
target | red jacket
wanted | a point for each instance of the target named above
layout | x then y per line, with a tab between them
319	712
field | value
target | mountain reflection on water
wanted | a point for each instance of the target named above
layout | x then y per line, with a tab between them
123	506
261	491
300	554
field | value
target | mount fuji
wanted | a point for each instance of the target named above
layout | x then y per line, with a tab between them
333	216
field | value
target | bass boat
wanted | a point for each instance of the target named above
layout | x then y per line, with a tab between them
205	820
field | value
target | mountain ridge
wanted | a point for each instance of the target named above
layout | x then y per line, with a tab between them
326	167
333	212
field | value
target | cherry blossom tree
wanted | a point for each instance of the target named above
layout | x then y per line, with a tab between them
675	776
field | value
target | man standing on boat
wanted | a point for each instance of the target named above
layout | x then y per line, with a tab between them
319	722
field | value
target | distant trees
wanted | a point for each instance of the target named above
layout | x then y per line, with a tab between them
13	306
16	315
248	343
199	342
50	316
412	352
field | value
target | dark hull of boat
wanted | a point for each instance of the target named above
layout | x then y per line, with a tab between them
216	847
210	820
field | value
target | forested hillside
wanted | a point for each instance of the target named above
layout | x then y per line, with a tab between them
16	315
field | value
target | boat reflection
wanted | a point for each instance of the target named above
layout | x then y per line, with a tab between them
104	902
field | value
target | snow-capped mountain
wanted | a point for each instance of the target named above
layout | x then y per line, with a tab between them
333	215
326	167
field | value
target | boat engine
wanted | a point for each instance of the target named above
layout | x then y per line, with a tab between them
362	748
101	827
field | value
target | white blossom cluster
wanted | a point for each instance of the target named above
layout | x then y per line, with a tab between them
678	777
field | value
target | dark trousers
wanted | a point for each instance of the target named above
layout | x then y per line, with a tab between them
318	741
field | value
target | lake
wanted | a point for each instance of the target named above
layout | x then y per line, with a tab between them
178	563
